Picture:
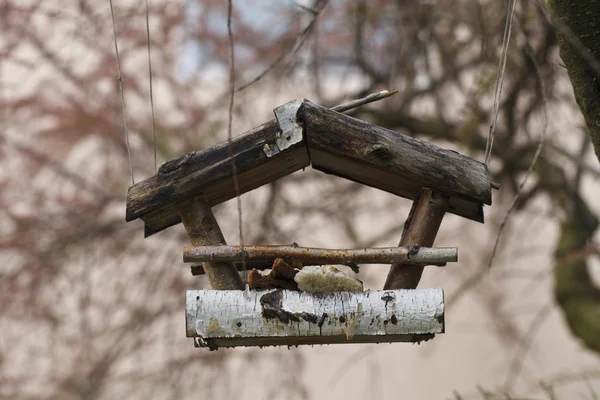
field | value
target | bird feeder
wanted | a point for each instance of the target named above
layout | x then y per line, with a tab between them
274	310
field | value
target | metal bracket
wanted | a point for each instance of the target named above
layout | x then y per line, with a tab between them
291	131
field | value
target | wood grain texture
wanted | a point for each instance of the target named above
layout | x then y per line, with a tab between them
388	160
421	228
203	230
209	172
289	318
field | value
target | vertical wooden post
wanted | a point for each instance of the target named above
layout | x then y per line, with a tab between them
420	228
203	230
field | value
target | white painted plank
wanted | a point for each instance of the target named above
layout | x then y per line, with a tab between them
280	317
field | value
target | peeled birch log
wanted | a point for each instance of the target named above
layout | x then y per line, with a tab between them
308	255
278	317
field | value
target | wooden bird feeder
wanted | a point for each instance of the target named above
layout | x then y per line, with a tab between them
272	311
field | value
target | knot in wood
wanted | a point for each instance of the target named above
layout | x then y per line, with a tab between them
173	165
413	250
379	153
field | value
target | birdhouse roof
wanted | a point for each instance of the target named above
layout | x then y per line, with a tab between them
306	134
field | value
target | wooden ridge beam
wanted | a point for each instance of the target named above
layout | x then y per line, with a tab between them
336	144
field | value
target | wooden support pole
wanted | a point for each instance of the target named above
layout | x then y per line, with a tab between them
290	318
420	228
383	255
338	144
203	230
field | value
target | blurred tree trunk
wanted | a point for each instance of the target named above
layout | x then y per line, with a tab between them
574	289
578	30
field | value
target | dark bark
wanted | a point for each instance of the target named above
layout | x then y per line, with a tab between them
578	30
209	173
337	144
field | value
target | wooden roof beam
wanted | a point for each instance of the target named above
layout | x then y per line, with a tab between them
369	154
258	162
334	143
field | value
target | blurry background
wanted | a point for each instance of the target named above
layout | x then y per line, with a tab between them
91	310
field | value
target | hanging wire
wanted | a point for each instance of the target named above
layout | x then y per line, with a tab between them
500	80
229	128
151	96
535	158
112	13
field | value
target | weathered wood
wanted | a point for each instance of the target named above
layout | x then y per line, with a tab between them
421	228
308	255
157	199
288	318
202	229
388	160
338	144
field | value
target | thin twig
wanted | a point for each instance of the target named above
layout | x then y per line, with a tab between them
151	96
382	255
524	346
536	156
229	126
577	255
59	168
593	393
112	13
313	11
500	80
585	144
293	49
352	360
365	100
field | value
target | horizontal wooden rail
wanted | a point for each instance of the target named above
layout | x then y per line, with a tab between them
218	318
383	255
